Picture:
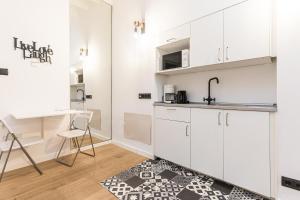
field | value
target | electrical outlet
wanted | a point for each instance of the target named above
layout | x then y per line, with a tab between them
3	71
290	183
145	96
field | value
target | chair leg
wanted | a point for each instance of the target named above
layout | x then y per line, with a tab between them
8	154
27	155
90	135
6	138
62	162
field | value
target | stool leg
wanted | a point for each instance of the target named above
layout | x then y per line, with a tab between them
2	173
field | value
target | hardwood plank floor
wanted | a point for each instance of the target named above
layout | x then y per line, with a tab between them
81	182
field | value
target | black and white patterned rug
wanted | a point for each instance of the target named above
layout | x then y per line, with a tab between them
163	180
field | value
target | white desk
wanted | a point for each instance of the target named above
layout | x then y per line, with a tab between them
43	115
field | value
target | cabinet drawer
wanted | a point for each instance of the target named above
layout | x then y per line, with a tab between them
174	35
173	113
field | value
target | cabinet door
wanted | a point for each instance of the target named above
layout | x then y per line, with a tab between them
172	141
207	40
200	8
174	35
247	30
207	142
228	3
247	150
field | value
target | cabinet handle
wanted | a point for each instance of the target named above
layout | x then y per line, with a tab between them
171	109
219	119
171	39
186	130
219	55
227	57
227	116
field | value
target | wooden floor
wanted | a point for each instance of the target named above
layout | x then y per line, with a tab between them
78	183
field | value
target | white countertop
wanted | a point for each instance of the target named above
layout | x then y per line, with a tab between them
224	106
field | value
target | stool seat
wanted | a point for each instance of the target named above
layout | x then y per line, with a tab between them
71	133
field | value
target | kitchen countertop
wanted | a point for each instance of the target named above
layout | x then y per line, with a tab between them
224	106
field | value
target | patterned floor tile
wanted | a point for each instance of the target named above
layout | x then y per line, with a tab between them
147	175
125	175
135	181
158	180
168	174
133	195
206	191
120	189
148	188
172	188
111	182
161	196
240	194
182	180
222	186
186	194
203	179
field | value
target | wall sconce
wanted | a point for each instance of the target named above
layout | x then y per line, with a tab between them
84	52
139	27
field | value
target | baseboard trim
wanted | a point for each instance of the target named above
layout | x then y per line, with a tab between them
51	156
133	149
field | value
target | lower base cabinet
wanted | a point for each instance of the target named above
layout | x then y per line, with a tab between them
229	145
172	141
247	150
207	142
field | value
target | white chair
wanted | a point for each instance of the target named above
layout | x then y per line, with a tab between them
74	133
15	144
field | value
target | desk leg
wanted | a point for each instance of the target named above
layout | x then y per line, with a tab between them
42	127
28	156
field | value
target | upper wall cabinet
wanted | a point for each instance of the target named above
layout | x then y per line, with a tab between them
200	8
206	46
174	35
228	3
247	30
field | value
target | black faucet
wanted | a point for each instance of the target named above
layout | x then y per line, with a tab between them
209	99
83	94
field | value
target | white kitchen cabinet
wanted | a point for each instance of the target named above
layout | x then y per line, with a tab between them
206	46
228	3
172	141
207	141
247	150
201	8
174	35
247	30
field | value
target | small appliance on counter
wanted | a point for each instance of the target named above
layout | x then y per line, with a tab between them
169	94
181	97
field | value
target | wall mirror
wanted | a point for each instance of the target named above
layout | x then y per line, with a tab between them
90	64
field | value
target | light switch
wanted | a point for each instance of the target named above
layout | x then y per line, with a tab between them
4	71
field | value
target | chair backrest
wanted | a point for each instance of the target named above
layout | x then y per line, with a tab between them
84	115
7	122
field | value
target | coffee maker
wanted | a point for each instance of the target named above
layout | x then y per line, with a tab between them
169	94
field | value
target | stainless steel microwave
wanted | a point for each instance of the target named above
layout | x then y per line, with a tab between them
176	60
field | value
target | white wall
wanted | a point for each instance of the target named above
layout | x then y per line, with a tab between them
288	94
132	71
35	87
134	63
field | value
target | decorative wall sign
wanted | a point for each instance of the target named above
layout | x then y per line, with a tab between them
31	51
